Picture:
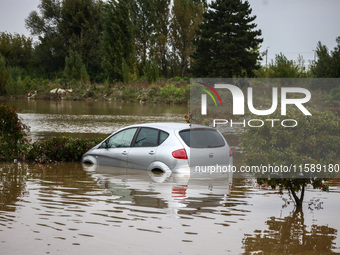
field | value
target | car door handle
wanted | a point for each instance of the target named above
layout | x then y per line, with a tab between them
124	153
151	152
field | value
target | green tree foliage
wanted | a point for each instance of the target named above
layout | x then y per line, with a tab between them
81	27
65	25
187	15
117	40
5	75
17	49
15	87
151	71
336	58
75	70
315	140
328	63
143	18
227	43
328	66
50	53
283	68
159	51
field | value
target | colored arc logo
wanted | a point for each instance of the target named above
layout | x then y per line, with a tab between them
209	93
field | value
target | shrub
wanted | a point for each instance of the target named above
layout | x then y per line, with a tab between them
60	149
172	94
15	145
333	96
15	87
178	79
13	141
129	93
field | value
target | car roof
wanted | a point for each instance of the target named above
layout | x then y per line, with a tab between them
169	125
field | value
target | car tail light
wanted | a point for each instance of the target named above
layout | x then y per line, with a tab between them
230	152
180	154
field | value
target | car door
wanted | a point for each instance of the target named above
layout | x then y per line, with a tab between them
114	151
143	152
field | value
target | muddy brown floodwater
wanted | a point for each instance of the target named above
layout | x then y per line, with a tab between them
69	208
72	209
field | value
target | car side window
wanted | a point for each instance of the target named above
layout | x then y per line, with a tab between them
147	137
121	139
162	136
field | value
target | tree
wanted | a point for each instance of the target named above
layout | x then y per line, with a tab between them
314	141
75	70
328	66
323	66
336	58
143	18
328	63
159	51
117	40
80	26
283	68
51	51
227	43
17	49
67	25
187	15
5	75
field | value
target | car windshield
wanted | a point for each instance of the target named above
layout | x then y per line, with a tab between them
202	138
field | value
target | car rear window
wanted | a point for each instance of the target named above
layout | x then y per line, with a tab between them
202	138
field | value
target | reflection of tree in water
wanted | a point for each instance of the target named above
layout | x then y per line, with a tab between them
12	185
290	236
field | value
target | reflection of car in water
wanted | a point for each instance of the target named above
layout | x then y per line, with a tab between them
170	191
162	146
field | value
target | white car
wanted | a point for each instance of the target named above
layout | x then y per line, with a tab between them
175	147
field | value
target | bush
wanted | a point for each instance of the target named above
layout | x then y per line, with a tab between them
172	94
333	96
129	93
16	87
13	142
60	149
179	79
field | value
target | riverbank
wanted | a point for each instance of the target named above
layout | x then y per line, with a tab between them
164	91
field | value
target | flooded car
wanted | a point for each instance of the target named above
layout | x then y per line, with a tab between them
162	147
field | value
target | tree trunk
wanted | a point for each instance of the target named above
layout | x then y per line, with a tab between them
298	201
302	194
183	67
